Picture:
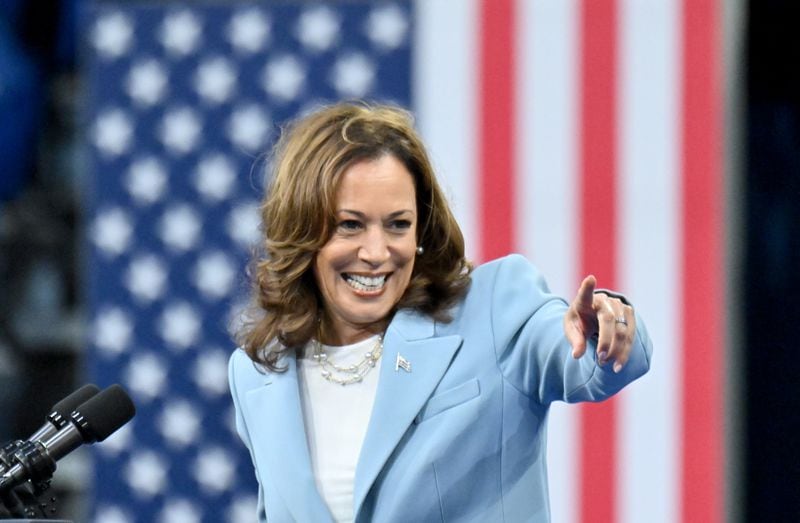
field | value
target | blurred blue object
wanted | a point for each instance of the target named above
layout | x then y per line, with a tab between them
65	45
11	11
20	103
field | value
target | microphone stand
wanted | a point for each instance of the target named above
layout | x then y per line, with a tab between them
22	504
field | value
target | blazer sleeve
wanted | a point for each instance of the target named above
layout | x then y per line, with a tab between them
532	351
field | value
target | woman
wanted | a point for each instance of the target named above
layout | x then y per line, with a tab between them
384	379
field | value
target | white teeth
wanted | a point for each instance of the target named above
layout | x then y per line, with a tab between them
365	283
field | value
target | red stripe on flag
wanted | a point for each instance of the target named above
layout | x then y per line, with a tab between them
702	264
496	133
598	235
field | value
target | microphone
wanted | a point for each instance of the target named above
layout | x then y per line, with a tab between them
56	420
59	416
94	420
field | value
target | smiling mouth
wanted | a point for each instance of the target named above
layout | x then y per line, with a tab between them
365	283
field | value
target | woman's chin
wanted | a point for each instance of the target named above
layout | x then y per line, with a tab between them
366	316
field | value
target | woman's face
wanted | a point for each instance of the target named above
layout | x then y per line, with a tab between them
365	267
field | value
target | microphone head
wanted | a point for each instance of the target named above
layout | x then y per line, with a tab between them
61	410
102	415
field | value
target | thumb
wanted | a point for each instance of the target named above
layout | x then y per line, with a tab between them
573	331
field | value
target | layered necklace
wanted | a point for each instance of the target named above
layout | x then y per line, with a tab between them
351	373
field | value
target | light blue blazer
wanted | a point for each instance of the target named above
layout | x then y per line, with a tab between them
459	438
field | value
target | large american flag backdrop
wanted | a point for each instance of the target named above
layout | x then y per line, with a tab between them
586	135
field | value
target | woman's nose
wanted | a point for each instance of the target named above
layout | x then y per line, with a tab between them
374	249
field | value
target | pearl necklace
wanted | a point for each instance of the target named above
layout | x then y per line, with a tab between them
352	373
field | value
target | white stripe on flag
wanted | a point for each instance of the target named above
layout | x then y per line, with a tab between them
445	100
648	269
547	204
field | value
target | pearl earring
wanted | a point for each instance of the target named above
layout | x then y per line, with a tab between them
420	250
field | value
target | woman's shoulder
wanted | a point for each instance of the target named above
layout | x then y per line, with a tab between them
510	284
507	282
509	277
237	358
505	270
243	370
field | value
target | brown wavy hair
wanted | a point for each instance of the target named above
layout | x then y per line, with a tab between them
298	218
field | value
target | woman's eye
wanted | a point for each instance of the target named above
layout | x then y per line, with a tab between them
400	224
349	225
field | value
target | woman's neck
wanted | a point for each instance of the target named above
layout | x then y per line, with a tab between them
338	333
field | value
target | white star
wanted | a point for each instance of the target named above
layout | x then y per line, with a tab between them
387	27
248	127
243	509
214	469
180	32
180	130
213	274
209	372
146	375
111	231
147	82
118	441
146	180
352	75
318	28
112	35
179	423
179	227
113	132
112	514
243	224
180	511
215	177
215	79
179	325
112	330
248	30
146	277
146	473
283	77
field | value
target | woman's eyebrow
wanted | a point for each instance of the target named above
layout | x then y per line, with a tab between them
360	214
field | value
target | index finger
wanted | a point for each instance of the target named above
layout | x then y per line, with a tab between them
585	297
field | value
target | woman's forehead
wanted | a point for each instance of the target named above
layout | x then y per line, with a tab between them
384	179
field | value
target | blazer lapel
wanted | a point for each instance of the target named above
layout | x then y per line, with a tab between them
402	392
278	433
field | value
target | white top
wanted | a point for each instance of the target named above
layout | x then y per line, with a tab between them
336	419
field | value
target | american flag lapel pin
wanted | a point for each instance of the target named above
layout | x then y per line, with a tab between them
402	363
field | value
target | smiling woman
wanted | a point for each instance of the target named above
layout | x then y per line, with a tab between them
403	385
347	180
